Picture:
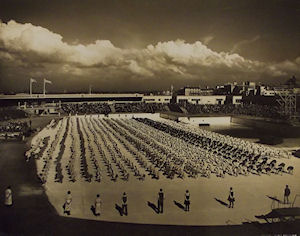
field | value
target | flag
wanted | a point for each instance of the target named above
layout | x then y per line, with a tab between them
47	81
33	80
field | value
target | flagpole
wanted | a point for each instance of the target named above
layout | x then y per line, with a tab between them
44	88
30	87
46	81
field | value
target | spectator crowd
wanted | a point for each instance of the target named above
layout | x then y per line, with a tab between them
14	126
228	109
10	113
245	109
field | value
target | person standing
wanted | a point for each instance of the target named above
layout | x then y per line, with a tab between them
187	200
287	193
98	203
67	205
231	198
160	201
30	124
124	204
8	197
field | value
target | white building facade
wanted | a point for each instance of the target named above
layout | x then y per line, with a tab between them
202	100
156	99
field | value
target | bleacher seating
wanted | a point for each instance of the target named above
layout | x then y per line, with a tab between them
174	107
103	108
10	113
246	109
86	108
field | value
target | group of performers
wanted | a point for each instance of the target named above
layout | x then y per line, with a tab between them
139	146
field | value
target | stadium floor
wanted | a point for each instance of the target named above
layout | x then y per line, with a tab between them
32	214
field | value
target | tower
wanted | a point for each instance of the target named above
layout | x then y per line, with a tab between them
288	101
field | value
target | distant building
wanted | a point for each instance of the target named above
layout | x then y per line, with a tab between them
237	100
226	89
201	100
249	88
196	91
265	91
291	83
156	99
246	88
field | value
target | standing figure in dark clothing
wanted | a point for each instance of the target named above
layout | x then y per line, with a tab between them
124	204
187	200
160	201
231	198
67	204
287	193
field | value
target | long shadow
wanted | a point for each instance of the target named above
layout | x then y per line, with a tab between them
274	199
93	210
221	202
179	205
153	206
119	209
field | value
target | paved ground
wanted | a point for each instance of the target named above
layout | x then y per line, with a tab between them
32	214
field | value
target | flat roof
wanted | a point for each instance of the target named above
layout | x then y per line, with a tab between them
75	95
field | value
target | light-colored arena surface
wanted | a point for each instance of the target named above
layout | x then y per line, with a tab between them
84	154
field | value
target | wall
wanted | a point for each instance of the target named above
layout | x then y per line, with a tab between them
225	120
156	99
278	128
236	100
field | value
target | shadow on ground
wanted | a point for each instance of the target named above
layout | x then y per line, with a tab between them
119	209
221	202
178	204
153	207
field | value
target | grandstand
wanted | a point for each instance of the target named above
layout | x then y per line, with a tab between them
11	113
122	103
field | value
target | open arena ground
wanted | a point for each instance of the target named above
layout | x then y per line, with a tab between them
91	155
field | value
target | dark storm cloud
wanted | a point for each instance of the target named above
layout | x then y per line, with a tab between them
124	45
38	52
136	23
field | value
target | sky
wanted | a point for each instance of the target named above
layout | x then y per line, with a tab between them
144	45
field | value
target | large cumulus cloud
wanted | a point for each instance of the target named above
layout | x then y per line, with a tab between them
35	51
